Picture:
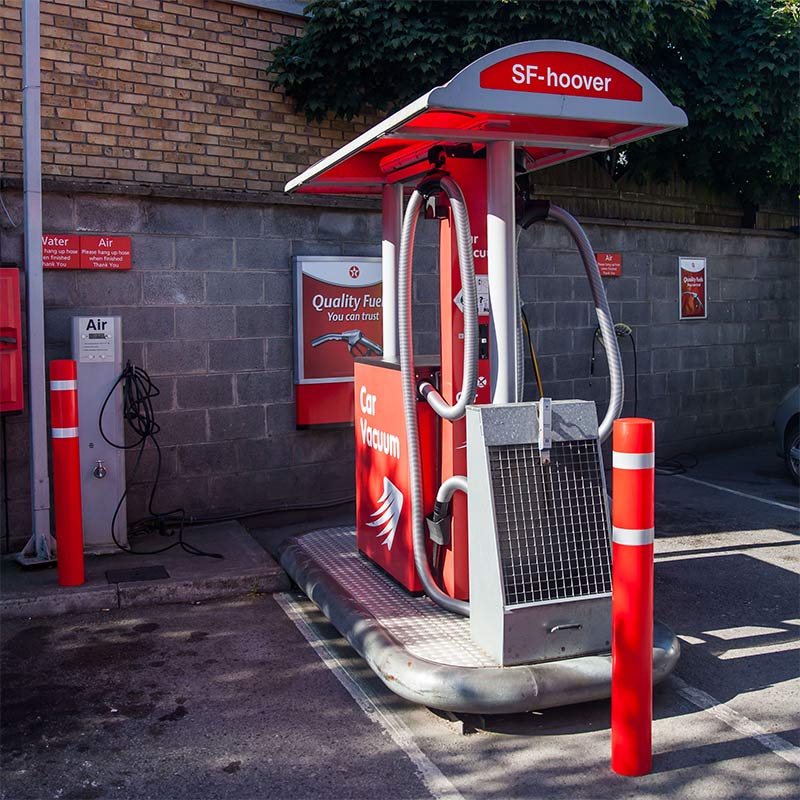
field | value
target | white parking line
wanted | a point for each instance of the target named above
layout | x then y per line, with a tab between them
740	494
731	634
741	724
435	781
760	650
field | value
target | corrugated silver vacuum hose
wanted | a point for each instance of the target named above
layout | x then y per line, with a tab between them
469	377
616	381
455	483
436	401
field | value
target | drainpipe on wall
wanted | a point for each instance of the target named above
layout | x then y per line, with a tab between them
41	546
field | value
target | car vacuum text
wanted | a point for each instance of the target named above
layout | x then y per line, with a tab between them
377	439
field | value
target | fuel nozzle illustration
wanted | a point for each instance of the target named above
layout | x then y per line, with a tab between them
691	303
357	343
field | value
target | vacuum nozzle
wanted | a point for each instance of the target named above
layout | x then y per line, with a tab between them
439	523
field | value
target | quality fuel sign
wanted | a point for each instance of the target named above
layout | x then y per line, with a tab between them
692	288
337	318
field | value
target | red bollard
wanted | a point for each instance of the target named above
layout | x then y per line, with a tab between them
632	596
66	472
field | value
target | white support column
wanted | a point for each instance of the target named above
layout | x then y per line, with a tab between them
392	223
502	275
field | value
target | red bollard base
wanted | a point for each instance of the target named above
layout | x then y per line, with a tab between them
631	767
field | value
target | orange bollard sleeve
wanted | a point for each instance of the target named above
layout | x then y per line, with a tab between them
632	596
66	472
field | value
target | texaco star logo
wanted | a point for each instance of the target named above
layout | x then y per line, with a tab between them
354	272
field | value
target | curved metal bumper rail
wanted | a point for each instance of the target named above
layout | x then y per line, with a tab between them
447	687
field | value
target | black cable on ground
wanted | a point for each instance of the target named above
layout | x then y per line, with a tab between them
279	507
138	392
677	465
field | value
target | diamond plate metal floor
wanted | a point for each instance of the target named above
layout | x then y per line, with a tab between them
424	629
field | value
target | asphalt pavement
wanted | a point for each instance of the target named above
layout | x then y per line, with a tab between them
258	697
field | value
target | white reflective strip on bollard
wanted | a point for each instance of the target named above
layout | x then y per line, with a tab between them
63	386
65	433
632	535
633	460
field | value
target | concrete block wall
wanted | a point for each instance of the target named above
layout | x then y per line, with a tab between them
206	310
710	382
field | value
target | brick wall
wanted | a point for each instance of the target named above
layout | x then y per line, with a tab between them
166	94
179	96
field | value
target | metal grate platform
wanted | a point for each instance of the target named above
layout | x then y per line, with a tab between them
552	528
424	629
425	654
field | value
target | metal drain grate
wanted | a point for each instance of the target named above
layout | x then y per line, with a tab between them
146	573
552	528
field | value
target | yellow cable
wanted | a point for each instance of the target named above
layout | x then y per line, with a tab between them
533	355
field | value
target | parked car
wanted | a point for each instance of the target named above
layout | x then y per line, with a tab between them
787	431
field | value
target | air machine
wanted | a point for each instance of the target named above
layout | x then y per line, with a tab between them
478	576
97	350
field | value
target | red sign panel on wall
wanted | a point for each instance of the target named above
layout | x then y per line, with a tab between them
67	251
61	251
692	289
338	318
610	264
105	252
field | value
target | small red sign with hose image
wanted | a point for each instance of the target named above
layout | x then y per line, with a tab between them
692	289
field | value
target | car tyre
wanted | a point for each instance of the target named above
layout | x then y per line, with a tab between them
791	451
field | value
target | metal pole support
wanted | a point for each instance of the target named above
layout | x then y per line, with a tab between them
501	243
39	547
392	224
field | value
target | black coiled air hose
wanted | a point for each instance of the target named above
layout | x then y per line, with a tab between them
138	392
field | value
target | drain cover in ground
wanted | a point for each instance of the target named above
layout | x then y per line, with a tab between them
136	574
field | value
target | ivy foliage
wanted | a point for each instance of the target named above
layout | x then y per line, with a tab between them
732	65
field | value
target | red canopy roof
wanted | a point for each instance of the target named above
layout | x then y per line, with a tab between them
556	100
